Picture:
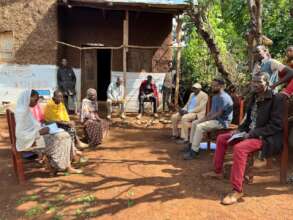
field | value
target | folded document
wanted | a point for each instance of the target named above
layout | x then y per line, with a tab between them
237	137
53	128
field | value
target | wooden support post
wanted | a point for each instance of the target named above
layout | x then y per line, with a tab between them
284	155
125	48
178	59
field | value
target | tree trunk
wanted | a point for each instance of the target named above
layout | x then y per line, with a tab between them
254	37
200	21
178	59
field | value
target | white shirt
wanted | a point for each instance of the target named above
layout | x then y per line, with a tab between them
115	92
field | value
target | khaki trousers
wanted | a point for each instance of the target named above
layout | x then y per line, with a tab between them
121	104
198	129
185	120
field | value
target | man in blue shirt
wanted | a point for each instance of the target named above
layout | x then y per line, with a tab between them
219	117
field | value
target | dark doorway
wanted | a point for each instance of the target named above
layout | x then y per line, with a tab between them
103	73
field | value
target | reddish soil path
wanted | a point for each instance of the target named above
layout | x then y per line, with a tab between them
137	174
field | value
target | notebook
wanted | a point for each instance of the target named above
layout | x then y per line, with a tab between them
53	128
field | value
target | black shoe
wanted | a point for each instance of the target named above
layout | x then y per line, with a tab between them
175	137
186	149
191	155
181	141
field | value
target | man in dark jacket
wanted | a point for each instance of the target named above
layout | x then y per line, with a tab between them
66	81
261	130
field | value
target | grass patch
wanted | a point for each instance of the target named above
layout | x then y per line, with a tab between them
27	198
51	208
83	213
57	217
35	211
130	202
85	199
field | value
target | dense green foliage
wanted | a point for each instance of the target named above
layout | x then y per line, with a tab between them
229	22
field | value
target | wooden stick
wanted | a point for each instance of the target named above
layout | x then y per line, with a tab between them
125	49
116	48
68	45
284	154
178	57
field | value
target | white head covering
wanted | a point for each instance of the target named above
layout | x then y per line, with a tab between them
196	85
27	127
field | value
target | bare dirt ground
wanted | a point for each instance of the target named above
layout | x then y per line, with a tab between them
136	174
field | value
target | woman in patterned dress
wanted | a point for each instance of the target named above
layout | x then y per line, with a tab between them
31	136
96	128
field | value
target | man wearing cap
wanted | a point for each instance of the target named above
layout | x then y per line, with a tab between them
219	117
194	109
115	95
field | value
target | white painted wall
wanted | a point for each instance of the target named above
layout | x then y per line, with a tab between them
133	81
15	78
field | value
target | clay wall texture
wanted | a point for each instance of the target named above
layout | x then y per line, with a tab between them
38	24
34	27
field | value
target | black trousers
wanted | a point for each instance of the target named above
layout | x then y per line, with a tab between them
143	99
167	92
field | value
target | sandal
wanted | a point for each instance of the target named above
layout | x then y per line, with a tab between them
232	198
213	175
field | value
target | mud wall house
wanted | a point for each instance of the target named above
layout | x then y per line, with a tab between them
100	30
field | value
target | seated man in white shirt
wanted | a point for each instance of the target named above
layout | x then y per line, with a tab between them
115	94
194	109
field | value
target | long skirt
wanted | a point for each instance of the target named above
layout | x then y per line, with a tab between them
59	149
96	131
70	130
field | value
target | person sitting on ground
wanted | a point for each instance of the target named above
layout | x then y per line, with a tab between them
115	95
263	130
148	93
55	112
31	136
96	128
219	117
194	109
273	67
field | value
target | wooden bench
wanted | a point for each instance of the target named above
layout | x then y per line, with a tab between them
16	156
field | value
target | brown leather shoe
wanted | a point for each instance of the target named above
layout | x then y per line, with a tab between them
232	198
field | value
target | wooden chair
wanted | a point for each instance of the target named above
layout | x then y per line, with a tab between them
231	126
283	158
16	156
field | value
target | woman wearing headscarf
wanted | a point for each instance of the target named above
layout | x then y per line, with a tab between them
38	113
96	128
55	112
31	136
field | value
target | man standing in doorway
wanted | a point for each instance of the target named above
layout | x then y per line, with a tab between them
66	81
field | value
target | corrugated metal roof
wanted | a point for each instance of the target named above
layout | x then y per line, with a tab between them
161	2
144	2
